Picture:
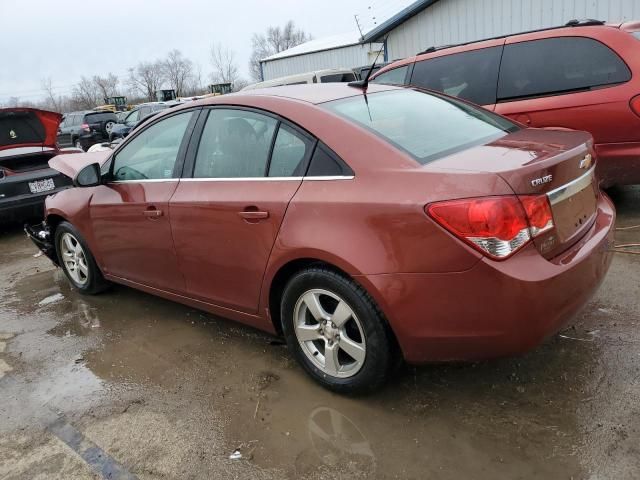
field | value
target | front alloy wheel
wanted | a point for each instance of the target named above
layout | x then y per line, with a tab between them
74	259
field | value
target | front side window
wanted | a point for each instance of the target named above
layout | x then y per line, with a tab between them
234	144
428	126
153	153
558	65
393	77
469	75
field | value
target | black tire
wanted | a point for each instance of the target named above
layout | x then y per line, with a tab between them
380	358
94	281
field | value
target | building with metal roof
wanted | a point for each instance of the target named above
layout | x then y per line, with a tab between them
427	23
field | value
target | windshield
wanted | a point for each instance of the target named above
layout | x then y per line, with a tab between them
424	124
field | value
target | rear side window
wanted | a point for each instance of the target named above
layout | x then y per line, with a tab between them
558	65
425	125
325	163
290	153
393	77
469	75
234	144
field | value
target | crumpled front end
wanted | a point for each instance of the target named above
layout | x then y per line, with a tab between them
40	234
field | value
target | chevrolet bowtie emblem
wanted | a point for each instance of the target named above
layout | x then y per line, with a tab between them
586	161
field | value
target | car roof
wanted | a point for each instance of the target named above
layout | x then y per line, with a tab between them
312	93
581	28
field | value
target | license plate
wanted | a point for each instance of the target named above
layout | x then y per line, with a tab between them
40	186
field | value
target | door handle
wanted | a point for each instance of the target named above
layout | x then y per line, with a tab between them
253	215
152	213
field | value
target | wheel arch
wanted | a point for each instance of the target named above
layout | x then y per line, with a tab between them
287	270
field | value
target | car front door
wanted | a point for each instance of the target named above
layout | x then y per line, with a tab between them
130	213
225	218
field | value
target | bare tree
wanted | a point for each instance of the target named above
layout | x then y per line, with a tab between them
178	70
85	93
275	40
107	86
51	101
145	78
225	68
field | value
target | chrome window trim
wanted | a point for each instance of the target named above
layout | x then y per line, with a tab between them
146	180
567	190
266	179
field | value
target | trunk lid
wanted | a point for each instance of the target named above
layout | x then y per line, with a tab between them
28	127
553	162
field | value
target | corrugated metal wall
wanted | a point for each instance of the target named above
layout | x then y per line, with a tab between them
346	57
456	21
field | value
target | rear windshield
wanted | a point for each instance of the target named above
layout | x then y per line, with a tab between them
338	77
424	124
99	117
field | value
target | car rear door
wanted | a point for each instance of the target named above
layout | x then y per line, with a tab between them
564	81
225	218
130	213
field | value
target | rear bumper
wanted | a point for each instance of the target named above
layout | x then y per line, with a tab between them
618	163
495	308
17	203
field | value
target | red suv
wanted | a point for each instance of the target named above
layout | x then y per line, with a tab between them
585	76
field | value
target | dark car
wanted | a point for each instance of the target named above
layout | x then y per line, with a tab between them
359	225
27	143
134	118
585	75
86	128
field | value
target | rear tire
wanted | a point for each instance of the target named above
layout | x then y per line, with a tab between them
77	261
336	331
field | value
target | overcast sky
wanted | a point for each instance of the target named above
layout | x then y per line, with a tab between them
65	39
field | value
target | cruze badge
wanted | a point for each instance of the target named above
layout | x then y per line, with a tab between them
586	161
541	181
12	134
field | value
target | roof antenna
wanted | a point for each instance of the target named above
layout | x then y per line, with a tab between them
363	84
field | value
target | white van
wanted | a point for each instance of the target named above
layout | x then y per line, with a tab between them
319	76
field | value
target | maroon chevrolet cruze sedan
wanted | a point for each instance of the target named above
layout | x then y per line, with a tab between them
365	226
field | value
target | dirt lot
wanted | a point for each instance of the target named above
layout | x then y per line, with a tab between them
126	385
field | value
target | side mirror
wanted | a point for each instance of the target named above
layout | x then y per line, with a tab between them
89	176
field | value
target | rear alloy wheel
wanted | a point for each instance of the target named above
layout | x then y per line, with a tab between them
76	260
331	338
336	331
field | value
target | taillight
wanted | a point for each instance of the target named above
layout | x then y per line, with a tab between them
635	104
85	127
496	226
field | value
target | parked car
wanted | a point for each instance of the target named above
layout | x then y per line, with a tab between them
122	129
85	128
362	226
361	72
319	76
585	76
27	143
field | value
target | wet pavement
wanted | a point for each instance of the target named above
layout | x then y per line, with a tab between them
126	385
